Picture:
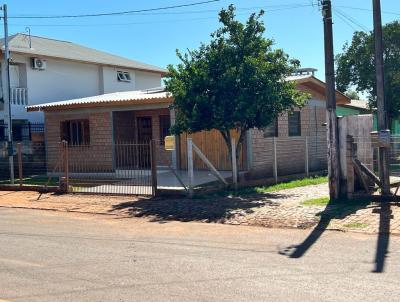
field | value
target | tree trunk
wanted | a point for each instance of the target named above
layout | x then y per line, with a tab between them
227	138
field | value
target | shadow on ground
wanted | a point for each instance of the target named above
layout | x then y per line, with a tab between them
213	209
339	210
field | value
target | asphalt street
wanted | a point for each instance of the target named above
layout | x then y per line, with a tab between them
47	256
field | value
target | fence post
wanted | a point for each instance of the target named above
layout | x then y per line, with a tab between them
19	152
66	165
234	163
153	167
307	168
190	166
275	163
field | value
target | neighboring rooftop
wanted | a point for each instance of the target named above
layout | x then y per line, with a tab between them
307	78
149	96
41	46
358	104
305	71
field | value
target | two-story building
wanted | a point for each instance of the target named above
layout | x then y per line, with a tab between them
44	70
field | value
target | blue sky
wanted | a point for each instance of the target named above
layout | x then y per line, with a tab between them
295	25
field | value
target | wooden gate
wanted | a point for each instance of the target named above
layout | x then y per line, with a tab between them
213	146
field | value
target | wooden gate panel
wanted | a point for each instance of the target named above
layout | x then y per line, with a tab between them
213	146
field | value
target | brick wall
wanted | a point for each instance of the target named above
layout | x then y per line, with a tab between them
97	157
291	156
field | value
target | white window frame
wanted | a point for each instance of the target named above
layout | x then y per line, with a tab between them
123	76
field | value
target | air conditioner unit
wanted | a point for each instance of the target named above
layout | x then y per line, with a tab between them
38	64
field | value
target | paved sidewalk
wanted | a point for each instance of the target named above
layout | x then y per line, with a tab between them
282	209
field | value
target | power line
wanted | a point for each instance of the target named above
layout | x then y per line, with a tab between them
114	13
345	20
367	9
278	8
351	19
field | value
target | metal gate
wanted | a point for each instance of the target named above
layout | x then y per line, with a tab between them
121	168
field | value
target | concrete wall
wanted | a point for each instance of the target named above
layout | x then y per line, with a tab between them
146	80
111	83
63	80
360	127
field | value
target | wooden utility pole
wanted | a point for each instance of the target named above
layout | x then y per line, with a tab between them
333	144
380	92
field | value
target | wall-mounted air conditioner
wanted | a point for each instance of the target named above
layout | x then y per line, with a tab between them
39	64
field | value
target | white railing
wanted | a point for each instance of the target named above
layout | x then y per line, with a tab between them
19	96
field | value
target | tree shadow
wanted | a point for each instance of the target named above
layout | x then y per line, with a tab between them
217	209
335	209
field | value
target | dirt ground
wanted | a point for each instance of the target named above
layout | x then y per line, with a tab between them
282	209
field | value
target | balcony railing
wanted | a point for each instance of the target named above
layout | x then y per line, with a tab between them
19	96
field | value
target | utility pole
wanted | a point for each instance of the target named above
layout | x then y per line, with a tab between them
384	133
332	137
7	94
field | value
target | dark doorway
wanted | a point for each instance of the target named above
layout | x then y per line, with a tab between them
144	136
144	129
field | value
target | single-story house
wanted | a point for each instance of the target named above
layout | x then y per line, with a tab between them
99	125
354	107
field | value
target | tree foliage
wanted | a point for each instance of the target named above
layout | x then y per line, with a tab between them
352	94
236	81
356	66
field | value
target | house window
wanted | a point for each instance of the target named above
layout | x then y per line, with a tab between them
123	76
272	129
294	123
165	125
75	132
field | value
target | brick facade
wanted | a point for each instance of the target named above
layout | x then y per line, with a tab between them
101	155
291	156
81	158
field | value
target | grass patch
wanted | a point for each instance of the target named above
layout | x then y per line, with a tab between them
34	180
293	184
322	201
356	225
282	186
272	188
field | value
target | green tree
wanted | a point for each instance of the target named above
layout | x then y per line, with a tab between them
356	66
352	94
236	81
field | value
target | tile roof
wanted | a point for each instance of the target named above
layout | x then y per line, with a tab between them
107	99
47	47
360	104
130	97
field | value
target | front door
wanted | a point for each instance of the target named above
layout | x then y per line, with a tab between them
144	136
144	130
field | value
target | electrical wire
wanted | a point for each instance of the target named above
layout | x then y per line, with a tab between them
278	8
367	9
345	21
350	19
113	13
